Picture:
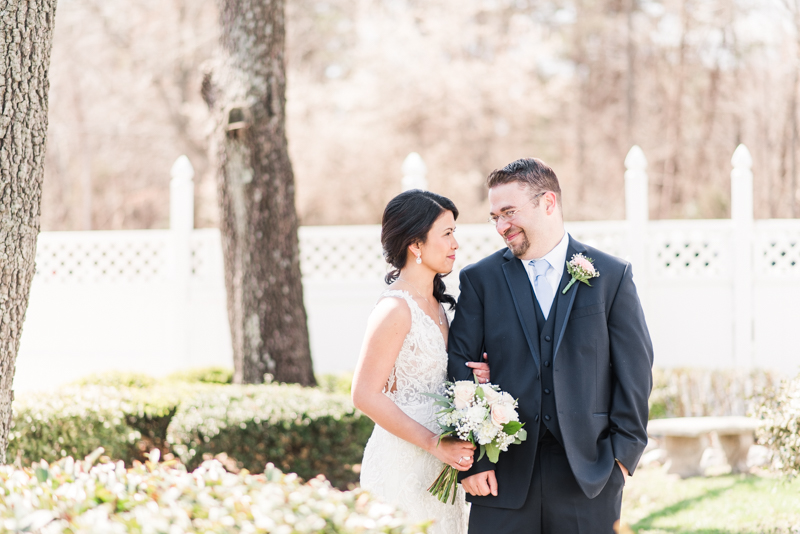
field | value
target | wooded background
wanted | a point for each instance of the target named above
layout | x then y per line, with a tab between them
469	84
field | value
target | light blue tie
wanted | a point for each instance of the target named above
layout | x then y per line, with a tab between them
542	288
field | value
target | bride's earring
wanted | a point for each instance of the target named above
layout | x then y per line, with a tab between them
419	260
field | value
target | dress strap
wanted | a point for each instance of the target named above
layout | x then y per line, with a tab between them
399	294
405	295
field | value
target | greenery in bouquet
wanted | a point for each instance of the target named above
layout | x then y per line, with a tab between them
481	414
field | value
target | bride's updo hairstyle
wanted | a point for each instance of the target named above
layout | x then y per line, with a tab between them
407	219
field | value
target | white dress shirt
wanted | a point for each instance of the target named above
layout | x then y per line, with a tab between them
557	258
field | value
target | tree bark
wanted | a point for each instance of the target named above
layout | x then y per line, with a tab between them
26	37
630	92
795	82
671	194
246	92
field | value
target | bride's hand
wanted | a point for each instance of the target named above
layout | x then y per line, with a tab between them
481	369
454	452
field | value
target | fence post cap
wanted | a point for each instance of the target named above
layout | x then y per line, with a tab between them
413	165
182	170
635	160
741	158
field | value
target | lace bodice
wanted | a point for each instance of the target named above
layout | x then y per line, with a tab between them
421	365
394	469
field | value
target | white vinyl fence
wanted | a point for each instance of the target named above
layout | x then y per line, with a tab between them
717	293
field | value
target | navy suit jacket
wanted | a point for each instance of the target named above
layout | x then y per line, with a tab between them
602	366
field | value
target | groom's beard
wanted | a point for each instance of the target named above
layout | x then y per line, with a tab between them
521	245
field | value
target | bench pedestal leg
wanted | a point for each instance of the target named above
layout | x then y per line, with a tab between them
736	447
684	454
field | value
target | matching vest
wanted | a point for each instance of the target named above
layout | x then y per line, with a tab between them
548	418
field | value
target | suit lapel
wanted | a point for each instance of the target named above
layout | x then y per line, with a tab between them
565	302
520	286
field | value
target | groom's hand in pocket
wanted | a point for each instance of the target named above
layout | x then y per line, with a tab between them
482	484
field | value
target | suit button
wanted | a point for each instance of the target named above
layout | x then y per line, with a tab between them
536	417
547	391
547	364
546	417
547	338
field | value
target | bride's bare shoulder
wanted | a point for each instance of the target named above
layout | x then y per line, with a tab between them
392	310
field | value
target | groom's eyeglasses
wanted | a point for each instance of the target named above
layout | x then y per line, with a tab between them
508	215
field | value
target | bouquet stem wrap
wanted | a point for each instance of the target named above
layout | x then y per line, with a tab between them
445	487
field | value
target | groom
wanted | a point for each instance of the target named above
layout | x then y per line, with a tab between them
580	363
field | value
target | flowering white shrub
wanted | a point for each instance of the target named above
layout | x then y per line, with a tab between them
694	392
780	429
75	497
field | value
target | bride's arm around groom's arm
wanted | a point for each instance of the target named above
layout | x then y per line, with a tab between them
465	345
465	342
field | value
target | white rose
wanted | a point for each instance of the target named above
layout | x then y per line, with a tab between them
463	392
502	414
506	398
490	394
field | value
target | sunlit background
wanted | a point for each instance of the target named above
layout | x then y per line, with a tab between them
468	84
672	125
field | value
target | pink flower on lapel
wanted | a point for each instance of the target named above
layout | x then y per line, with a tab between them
581	269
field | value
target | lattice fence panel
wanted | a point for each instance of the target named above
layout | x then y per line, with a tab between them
475	242
676	249
608	236
690	249
777	249
102	257
206	263
347	253
354	252
341	253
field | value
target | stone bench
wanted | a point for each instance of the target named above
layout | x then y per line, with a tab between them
685	439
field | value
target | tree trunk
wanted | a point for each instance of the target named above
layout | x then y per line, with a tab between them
26	37
671	191
795	82
630	93
258	222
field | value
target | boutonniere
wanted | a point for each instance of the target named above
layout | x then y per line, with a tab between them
581	269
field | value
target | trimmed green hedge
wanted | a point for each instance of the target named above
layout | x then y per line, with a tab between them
71	422
117	379
302	430
75	420
780	430
203	375
335	383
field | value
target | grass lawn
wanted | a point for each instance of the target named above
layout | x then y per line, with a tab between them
657	503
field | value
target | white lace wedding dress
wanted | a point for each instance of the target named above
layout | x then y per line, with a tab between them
393	468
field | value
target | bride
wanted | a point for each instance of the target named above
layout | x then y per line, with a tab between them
404	355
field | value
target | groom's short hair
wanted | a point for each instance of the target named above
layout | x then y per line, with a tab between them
531	171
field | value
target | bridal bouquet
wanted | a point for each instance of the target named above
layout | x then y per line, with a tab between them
480	414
